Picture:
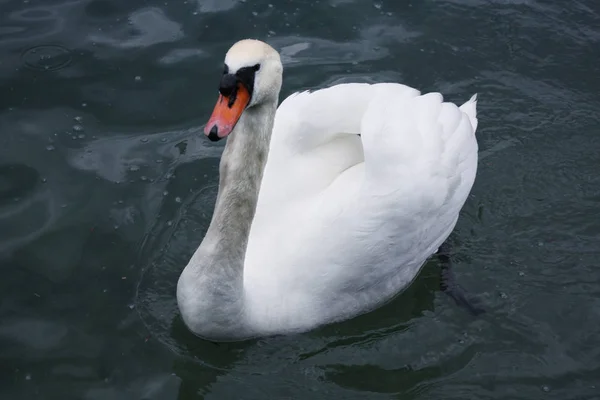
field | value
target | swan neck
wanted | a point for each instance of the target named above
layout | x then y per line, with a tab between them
216	270
240	176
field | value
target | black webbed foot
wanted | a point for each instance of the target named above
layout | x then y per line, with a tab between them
449	286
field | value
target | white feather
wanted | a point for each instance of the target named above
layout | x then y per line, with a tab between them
344	222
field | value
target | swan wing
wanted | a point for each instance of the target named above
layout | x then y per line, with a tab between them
344	221
316	138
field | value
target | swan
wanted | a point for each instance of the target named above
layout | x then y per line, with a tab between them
328	205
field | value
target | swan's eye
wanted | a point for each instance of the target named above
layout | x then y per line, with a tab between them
256	67
225	69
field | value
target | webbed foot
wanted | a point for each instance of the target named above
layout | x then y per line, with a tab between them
449	284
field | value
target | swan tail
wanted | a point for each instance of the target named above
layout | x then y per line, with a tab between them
470	108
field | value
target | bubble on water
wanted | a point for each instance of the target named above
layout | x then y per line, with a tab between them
28	377
163	140
177	199
195	13
50	147
144	178
77	128
78	119
165	193
44	180
138	78
131	306
377	5
144	140
81	136
546	388
134	168
521	273
254	13
503	295
270	5
83	104
47	57
158	161
169	223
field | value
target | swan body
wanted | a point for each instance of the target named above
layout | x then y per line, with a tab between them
328	205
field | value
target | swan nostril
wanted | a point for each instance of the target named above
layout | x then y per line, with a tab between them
213	134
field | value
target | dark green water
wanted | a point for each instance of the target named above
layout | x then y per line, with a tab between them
106	188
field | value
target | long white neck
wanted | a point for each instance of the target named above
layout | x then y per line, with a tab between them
210	290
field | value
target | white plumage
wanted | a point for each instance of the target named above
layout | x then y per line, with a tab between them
345	222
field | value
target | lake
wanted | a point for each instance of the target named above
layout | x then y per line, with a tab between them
107	186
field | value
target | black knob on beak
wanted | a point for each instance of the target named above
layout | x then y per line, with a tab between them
228	85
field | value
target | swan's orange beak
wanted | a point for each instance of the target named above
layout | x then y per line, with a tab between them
227	112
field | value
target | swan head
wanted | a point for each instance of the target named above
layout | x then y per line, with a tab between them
252	76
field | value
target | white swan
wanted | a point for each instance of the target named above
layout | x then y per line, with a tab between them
314	223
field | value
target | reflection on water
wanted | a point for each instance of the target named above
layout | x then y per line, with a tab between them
151	27
106	188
